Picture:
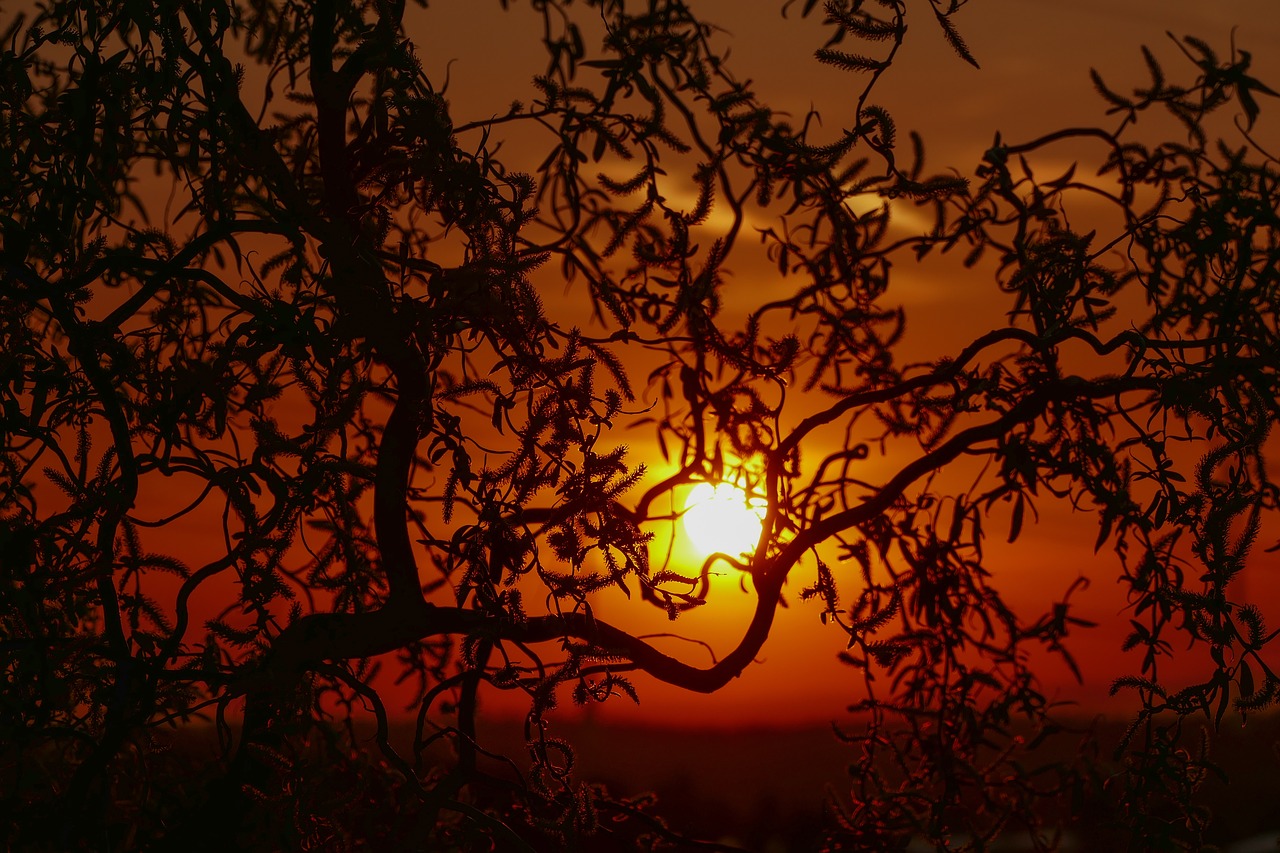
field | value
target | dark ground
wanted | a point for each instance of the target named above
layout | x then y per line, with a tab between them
764	789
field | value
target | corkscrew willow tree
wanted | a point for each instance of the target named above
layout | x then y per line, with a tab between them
289	384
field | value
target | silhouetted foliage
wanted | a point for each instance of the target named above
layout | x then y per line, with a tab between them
291	382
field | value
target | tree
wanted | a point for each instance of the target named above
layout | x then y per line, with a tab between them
337	344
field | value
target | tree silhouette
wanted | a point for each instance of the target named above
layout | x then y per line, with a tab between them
290	384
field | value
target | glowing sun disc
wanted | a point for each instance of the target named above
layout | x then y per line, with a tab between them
720	518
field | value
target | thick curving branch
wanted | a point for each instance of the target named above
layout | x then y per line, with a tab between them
338	636
1028	409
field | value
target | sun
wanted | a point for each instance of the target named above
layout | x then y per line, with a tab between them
720	518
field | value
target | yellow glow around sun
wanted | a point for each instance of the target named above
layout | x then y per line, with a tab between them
720	518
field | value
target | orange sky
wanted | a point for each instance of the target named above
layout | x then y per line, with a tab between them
1035	57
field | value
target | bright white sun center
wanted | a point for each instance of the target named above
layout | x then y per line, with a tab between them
720	518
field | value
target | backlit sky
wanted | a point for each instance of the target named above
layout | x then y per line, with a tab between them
1035	58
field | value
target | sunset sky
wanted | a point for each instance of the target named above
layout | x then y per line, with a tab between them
1035	59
